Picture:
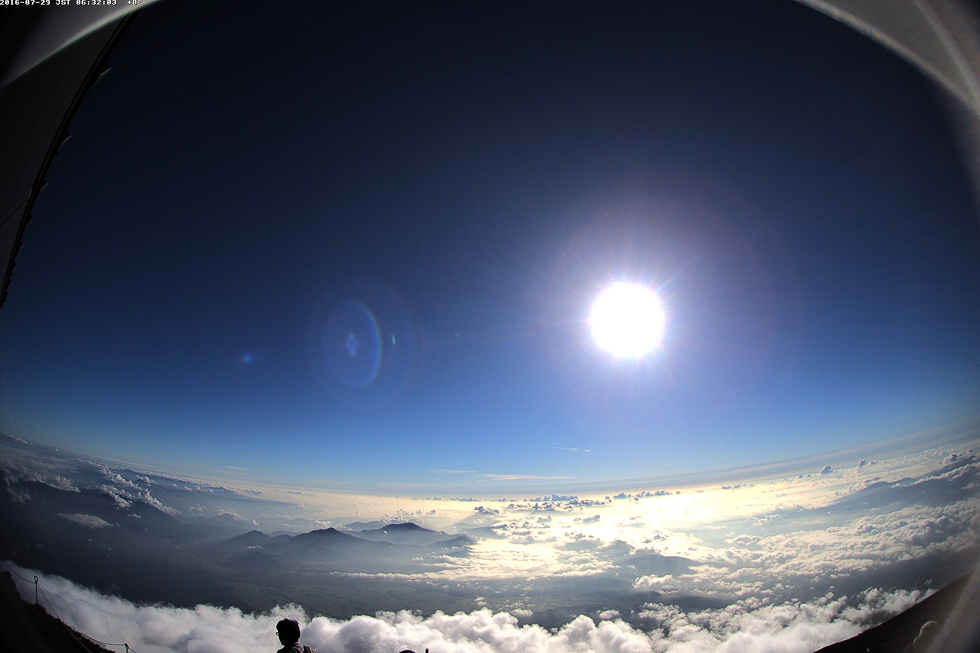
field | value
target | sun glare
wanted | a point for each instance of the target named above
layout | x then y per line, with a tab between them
627	320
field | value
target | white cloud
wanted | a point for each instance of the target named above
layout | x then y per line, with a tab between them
18	494
117	496
124	497
769	540
89	521
745	626
653	582
115	477
754	565
144	495
483	510
39	471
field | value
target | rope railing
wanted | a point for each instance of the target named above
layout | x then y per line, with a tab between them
39	592
71	631
11	570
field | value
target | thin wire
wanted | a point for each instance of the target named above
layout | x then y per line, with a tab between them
11	569
71	630
67	627
99	641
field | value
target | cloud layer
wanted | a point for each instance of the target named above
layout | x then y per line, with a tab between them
777	561
750	625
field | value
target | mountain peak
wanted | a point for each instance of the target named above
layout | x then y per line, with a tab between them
327	532
406	526
251	538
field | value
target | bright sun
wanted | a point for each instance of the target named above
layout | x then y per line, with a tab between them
627	320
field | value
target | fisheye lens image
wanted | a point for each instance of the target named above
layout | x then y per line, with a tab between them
625	327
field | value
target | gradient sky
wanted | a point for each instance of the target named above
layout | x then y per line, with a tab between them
474	177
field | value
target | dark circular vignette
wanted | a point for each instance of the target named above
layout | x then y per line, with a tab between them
365	315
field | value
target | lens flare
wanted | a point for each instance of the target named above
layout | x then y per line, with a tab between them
352	344
627	320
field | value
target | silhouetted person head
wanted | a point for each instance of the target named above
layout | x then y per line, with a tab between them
288	630
927	633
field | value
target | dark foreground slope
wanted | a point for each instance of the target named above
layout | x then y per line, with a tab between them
28	627
894	635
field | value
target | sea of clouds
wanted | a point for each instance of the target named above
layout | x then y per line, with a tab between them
790	564
747	625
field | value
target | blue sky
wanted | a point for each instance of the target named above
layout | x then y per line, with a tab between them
475	178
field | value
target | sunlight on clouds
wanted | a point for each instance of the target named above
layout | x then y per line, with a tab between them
736	540
739	539
794	557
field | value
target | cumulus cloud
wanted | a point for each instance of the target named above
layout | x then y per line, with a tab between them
38	471
782	538
144	496
31	462
758	565
115	477
745	626
117	497
17	493
124	497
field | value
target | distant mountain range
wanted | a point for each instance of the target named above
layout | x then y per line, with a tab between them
412	534
401	548
136	549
